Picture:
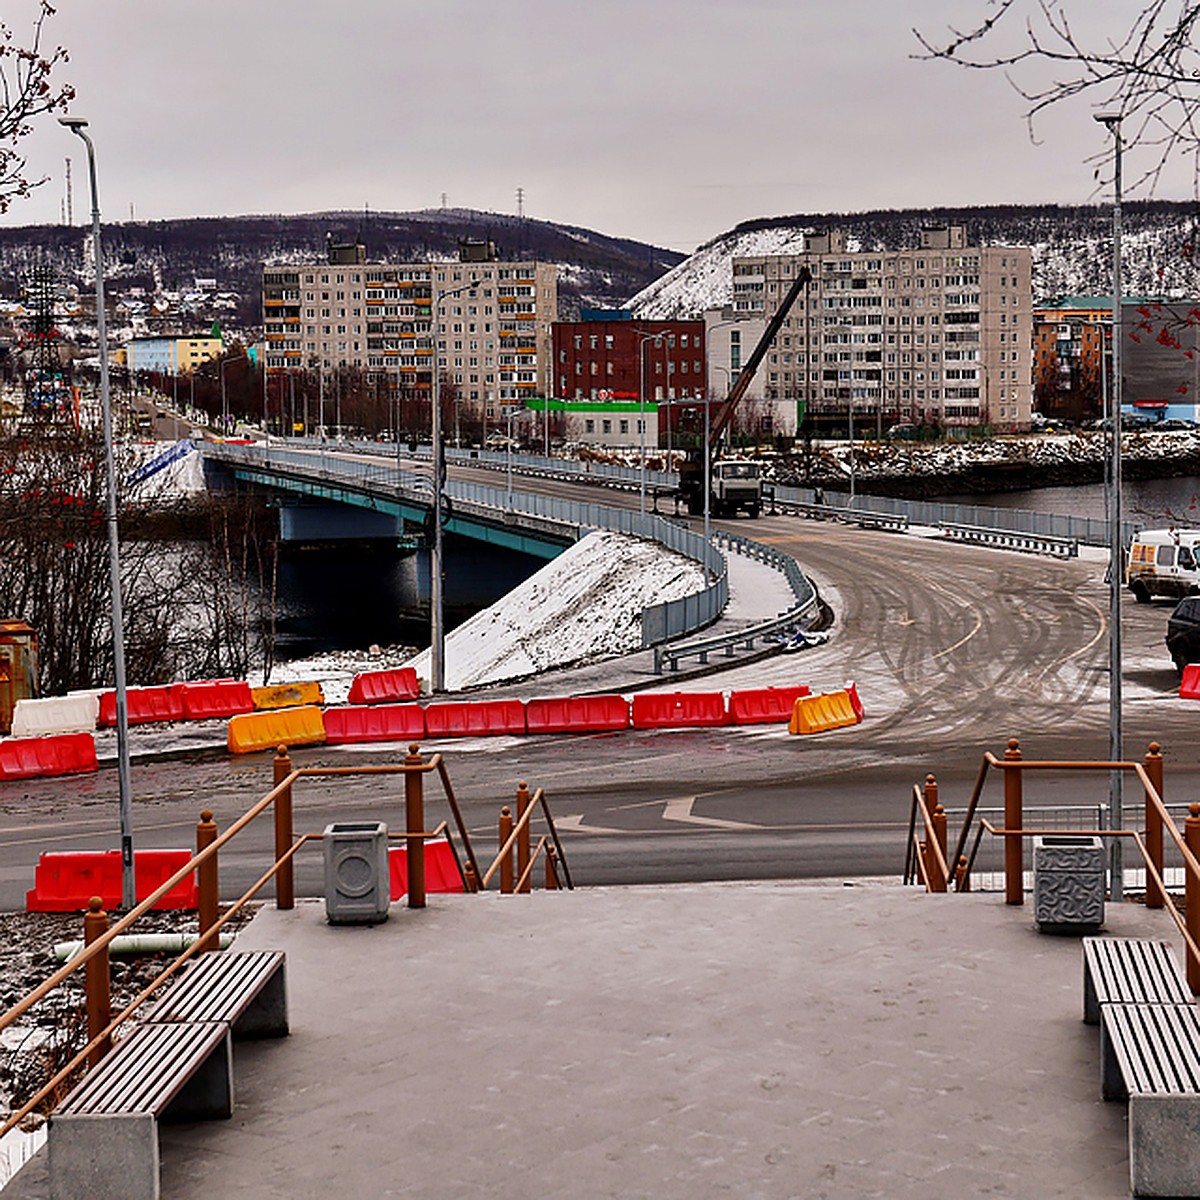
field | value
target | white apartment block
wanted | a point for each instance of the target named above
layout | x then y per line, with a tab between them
938	334
494	341
729	339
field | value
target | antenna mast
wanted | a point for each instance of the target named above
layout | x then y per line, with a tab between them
70	208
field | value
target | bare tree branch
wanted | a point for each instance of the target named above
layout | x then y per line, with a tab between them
1149	73
26	92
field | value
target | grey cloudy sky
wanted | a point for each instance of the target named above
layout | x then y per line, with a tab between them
664	120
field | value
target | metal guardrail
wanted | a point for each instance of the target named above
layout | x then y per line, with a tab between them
795	619
1033	543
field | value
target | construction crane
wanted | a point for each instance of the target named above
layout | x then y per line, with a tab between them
734	484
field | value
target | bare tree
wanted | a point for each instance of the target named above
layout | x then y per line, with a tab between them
26	92
1149	72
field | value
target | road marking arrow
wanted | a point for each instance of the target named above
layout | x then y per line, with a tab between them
680	809
574	824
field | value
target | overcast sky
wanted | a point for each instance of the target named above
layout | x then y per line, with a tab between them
668	121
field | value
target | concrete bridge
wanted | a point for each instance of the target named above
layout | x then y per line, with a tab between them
330	494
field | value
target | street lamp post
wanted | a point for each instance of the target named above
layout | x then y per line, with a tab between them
1112	121
643	338
77	125
437	640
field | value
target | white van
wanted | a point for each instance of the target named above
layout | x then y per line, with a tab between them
1164	562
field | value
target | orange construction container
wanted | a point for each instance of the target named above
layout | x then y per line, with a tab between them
18	668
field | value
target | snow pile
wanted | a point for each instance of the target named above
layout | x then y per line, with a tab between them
583	606
335	670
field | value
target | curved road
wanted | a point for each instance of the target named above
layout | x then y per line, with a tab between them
955	649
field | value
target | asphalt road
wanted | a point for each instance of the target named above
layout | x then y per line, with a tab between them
954	649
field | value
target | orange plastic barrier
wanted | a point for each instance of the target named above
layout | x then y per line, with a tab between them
286	695
377	723
280	727
577	714
66	880
62	754
666	710
462	719
441	871
383	687
215	698
143	705
829	710
1189	685
765	706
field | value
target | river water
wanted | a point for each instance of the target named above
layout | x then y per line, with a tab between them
1149	503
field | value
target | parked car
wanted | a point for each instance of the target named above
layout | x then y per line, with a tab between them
903	430
1176	423
1183	632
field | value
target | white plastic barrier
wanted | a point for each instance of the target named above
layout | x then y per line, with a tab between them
56	714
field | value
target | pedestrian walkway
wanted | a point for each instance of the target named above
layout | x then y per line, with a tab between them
752	1040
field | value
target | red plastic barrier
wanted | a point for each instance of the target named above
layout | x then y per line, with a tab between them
667	710
143	705
855	702
462	719
215	698
1189	685
764	706
378	723
441	871
66	880
577	714
383	687
62	754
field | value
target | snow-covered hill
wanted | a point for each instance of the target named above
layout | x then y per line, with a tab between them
1072	250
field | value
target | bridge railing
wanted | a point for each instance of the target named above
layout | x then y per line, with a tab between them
660	622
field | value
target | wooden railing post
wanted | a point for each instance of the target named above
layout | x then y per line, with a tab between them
938	819
285	878
414	817
97	988
1191	836
506	863
209	888
551	869
523	844
1014	850
1154	826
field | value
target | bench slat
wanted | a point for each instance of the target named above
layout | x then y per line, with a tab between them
1126	970
146	1070
246	989
1157	1047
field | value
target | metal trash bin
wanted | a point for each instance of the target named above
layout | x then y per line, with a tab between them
1069	880
357	881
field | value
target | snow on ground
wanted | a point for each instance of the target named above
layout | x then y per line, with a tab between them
335	670
583	606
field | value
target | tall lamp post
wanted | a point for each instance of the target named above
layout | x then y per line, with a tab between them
1112	121
643	338
437	639
77	125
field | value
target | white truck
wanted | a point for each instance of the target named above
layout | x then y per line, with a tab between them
1164	562
736	483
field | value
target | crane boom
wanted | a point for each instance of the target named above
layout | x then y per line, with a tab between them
746	375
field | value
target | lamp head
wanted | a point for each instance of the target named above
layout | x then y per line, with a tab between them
1109	119
73	123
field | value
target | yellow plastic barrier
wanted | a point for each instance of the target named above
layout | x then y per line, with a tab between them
829	710
286	695
302	726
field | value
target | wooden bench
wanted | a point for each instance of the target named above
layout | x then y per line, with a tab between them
1150	1055
104	1137
248	990
1129	970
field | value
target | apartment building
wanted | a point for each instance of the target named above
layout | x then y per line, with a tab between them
613	372
939	335
494	319
170	355
1071	339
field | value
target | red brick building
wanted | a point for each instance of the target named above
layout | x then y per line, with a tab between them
610	359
